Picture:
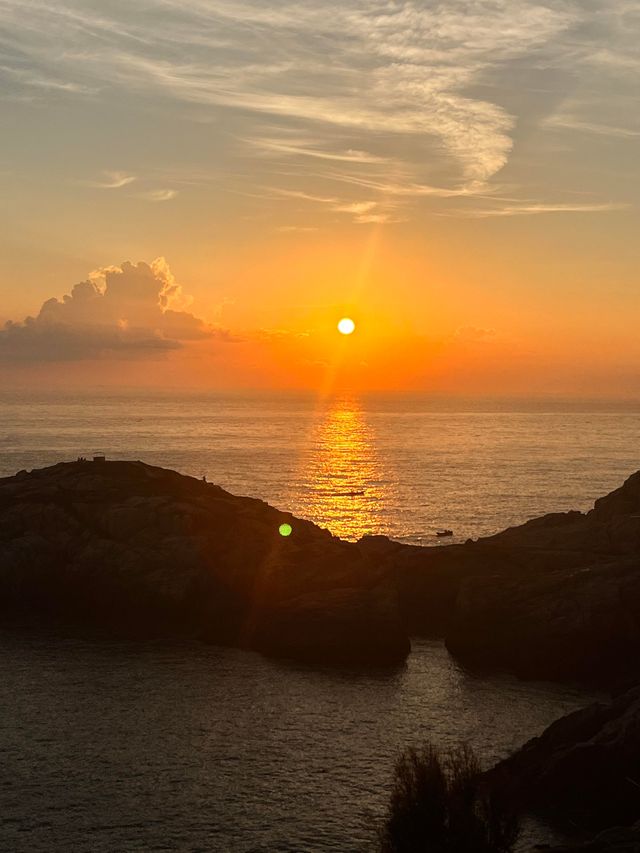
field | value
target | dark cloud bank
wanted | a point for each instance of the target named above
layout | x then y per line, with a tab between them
127	312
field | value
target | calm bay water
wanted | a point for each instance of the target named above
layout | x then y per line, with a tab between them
118	747
108	746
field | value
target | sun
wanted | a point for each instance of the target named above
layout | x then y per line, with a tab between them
346	326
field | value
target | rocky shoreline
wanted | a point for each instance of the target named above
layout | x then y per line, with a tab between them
557	598
141	551
583	771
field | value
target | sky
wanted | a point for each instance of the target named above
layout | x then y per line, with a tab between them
194	192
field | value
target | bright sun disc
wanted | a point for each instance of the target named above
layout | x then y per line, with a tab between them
346	326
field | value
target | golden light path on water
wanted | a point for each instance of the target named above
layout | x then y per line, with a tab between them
342	483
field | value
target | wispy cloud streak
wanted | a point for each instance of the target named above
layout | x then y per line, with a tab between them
360	84
112	181
532	209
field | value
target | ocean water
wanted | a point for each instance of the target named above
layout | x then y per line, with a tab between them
157	746
404	467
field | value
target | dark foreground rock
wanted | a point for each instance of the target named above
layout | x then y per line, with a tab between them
621	839
142	551
584	770
555	598
579	623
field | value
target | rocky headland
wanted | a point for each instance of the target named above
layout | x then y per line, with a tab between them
619	839
584	768
583	771
139	551
142	551
555	598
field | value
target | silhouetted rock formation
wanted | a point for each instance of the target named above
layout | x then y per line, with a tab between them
146	550
143	551
557	597
585	768
620	839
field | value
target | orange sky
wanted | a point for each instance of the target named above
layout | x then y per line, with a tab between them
462	179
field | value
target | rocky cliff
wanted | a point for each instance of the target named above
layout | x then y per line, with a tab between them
143	551
556	598
619	839
584	770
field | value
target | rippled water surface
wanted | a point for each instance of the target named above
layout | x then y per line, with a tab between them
118	747
400	466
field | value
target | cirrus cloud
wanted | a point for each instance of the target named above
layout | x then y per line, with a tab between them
402	70
416	101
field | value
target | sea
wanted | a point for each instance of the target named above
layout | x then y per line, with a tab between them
120	746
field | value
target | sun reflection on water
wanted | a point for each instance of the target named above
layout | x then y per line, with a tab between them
342	484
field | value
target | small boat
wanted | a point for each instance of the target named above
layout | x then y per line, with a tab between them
444	532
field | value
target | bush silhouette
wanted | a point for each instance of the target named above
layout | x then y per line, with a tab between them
439	805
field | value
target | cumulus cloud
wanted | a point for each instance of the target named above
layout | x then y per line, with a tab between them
127	311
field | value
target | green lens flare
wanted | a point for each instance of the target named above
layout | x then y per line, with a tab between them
285	530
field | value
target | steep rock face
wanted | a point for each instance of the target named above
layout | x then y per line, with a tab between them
142	550
585	768
619	839
557	597
145	549
573	623
621	503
